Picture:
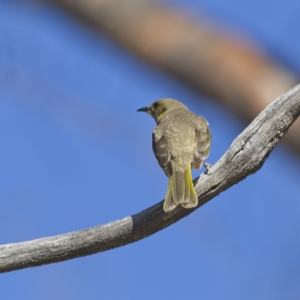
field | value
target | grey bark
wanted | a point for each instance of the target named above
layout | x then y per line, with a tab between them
246	155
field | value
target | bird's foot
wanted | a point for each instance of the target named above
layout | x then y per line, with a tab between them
207	167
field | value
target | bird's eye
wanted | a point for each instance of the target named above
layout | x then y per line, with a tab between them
155	105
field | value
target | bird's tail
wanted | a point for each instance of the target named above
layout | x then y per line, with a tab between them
180	191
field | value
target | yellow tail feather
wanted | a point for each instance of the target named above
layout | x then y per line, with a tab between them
169	203
180	191
193	199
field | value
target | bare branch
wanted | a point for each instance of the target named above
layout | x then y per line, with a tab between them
246	155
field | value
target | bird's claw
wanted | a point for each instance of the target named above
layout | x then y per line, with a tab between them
207	166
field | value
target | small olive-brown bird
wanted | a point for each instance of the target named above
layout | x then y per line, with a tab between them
180	141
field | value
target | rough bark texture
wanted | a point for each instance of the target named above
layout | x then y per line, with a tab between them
246	155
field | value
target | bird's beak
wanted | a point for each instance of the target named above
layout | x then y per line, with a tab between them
144	109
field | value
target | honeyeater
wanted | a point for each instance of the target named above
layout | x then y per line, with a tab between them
180	141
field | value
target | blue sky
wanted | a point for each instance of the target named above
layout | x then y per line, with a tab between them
75	154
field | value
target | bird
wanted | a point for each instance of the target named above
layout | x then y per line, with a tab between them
180	141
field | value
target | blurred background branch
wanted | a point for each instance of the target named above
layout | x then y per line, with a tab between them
218	63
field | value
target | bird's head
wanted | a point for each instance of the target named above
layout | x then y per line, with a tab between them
160	107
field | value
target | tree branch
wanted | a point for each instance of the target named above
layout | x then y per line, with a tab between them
246	155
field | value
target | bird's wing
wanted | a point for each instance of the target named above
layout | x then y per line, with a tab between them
203	140
161	151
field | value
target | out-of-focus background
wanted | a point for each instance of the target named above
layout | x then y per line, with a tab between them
74	153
